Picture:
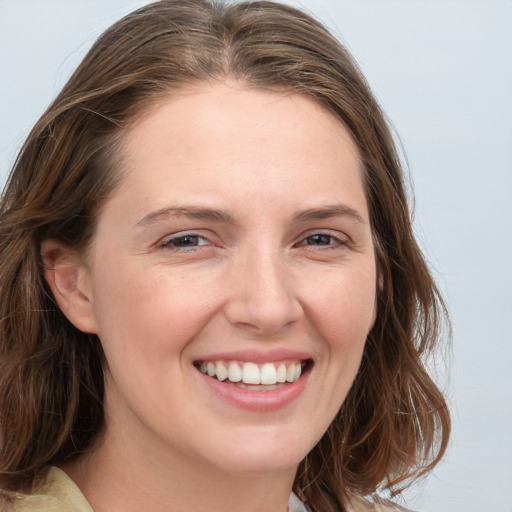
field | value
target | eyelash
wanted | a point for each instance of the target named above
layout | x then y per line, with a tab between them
338	242
172	243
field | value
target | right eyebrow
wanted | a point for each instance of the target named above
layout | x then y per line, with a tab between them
192	212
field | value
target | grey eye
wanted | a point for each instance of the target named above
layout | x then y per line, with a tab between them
319	239
186	241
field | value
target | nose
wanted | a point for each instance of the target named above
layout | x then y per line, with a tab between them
262	295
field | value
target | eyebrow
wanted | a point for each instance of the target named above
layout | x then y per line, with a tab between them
215	215
328	212
192	212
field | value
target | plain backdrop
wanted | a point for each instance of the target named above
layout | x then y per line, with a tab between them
442	71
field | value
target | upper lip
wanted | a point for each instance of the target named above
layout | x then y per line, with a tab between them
257	356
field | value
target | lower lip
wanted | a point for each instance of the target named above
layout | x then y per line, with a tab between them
254	400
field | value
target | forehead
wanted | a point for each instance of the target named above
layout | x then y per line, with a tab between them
247	142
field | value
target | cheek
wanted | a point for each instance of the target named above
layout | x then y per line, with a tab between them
149	309
342	316
344	308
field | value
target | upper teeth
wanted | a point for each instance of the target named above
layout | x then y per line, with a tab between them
252	373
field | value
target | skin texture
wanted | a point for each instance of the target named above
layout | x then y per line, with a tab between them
255	278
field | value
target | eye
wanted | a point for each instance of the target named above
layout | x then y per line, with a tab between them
322	240
318	239
188	241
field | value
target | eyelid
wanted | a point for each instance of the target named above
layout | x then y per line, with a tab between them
166	242
337	235
340	239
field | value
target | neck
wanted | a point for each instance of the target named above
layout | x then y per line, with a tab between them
122	476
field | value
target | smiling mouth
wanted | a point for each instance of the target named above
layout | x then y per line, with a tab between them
253	376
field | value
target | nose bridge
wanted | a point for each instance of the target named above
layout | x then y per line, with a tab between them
263	295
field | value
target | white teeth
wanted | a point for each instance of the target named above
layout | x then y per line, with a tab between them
234	372
290	372
268	374
297	371
250	374
221	370
281	373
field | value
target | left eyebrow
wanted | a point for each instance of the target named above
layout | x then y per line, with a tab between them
327	212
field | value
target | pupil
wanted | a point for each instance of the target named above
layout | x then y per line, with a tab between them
186	241
319	240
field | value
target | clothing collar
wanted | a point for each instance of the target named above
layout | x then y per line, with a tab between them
295	505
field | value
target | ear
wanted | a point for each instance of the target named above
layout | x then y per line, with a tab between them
69	279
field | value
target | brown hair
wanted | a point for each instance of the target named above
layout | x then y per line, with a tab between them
394	424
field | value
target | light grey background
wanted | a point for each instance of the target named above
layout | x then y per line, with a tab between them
442	70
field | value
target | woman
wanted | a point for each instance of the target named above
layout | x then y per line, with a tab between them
211	295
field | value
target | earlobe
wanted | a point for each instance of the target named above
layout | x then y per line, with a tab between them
68	278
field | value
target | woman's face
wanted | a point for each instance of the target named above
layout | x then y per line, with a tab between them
237	246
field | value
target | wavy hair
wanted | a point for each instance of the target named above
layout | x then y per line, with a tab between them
394	424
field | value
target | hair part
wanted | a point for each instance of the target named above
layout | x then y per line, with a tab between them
394	424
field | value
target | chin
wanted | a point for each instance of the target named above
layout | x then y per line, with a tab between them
265	454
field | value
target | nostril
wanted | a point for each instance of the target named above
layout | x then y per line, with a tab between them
263	296
267	319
